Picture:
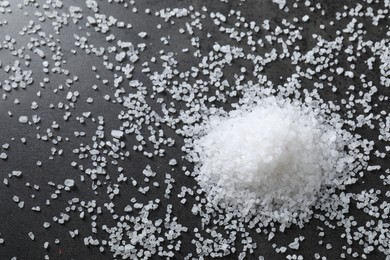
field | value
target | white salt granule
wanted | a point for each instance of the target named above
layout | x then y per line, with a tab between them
172	162
3	156
16	173
142	34
305	18
281	3
69	183
23	119
117	134
31	235
274	158
91	20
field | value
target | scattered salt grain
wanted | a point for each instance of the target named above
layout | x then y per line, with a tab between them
23	119
16	173
31	235
3	156
142	34
69	183
172	162
117	134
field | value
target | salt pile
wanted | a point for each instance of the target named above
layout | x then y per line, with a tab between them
276	158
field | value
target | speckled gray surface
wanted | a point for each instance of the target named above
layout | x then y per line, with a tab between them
16	223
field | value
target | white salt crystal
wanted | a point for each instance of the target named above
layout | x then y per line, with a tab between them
281	3
31	235
294	245
40	53
16	173
142	34
69	183
91	20
117	134
172	162
339	70
3	156
23	119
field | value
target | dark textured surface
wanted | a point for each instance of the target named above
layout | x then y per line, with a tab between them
15	223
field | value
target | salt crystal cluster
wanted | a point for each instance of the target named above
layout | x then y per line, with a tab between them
274	158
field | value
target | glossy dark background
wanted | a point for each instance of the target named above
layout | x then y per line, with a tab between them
15	223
